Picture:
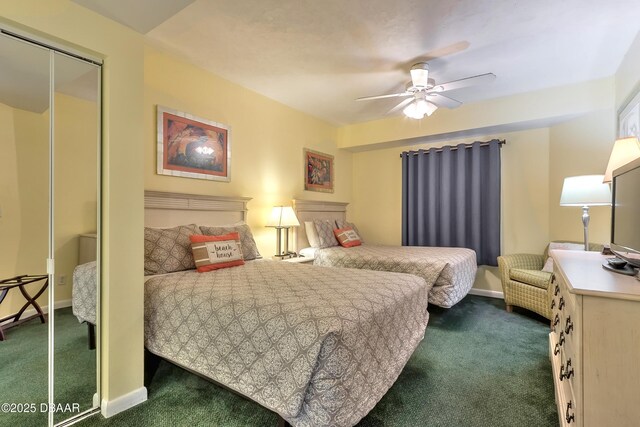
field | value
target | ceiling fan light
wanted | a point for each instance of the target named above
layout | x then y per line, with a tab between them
430	108
413	111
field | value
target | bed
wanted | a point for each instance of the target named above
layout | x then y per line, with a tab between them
319	346
451	283
84	298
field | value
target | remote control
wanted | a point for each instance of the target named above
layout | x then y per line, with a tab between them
616	262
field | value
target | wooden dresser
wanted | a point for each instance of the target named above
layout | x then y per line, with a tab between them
595	342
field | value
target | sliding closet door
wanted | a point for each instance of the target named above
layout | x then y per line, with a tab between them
76	130
24	229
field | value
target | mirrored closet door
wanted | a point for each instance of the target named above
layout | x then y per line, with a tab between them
50	112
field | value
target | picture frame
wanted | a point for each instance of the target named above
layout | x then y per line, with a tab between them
629	118
192	147
318	171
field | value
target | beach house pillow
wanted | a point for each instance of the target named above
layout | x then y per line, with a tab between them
347	237
247	242
548	265
324	228
215	252
341	223
312	234
167	250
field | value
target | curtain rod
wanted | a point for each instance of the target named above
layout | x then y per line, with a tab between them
501	142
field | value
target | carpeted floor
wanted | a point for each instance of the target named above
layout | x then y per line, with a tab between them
23	368
478	366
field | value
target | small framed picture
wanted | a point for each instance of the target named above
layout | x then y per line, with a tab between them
318	171
193	147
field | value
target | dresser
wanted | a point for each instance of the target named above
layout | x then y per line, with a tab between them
594	342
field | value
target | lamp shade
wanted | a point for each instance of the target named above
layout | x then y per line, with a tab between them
585	190
624	151
282	216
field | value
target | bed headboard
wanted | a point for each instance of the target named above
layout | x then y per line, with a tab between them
308	210
163	210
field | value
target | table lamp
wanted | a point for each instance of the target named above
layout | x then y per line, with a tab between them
585	191
624	151
282	217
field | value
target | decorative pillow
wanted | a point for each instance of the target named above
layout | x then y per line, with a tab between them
548	265
215	252
347	237
341	223
167	250
247	242
324	228
312	234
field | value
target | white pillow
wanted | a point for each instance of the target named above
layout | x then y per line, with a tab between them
548	265
308	252
312	234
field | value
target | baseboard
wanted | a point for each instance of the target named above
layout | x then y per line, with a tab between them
111	407
487	293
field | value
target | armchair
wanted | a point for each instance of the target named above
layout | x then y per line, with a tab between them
525	284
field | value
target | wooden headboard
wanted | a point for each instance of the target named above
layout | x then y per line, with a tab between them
163	210
308	210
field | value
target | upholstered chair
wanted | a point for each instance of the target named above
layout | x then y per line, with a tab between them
525	284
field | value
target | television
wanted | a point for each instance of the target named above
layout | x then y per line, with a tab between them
625	213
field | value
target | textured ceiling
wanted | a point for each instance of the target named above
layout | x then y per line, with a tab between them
318	56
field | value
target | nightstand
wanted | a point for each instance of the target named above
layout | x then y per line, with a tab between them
300	259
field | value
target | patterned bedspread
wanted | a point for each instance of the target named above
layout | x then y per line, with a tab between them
319	346
453	281
83	293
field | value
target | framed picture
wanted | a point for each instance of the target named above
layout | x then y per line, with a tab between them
193	147
629	119
318	171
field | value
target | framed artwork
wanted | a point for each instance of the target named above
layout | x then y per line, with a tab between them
193	147
318	171
629	119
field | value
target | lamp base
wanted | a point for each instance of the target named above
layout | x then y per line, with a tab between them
285	256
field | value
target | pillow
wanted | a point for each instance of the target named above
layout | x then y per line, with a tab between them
247	242
548	265
347	237
324	228
215	252
312	234
308	252
167	250
341	223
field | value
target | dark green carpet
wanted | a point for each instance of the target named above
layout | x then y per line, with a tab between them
477	366
23	368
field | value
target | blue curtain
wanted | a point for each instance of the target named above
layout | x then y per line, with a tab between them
451	197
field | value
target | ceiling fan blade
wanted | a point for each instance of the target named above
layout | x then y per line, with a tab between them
468	81
401	105
442	101
392	95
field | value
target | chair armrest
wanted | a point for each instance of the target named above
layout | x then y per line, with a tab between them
524	261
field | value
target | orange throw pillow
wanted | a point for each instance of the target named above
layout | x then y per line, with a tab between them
347	237
215	252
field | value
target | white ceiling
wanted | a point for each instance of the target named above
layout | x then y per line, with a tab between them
318	56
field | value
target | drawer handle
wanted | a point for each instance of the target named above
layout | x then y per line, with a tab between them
569	326
556	350
553	278
556	319
561	339
569	417
553	303
566	371
561	304
556	291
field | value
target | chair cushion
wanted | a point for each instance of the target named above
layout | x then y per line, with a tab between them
537	278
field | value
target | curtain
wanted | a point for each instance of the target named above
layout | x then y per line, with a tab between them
451	197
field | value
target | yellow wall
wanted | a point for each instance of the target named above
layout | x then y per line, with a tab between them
579	147
377	196
267	141
122	294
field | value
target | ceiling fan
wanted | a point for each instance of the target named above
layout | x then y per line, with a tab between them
424	96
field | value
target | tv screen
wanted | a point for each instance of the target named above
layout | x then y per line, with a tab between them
625	233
